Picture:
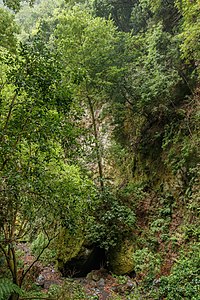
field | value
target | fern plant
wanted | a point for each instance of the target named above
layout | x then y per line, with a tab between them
7	287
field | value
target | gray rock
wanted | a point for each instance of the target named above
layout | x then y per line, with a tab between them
40	280
101	282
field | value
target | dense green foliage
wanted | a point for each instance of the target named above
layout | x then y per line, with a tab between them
7	30
183	282
99	136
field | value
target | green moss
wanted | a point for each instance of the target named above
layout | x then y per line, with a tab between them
69	245
121	258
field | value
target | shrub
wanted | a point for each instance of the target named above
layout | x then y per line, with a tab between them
112	221
147	265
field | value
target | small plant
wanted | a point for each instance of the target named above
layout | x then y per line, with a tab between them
114	296
147	265
54	290
121	279
71	290
192	231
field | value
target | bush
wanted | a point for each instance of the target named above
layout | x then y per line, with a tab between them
112	221
147	265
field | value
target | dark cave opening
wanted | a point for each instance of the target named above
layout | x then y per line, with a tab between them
91	259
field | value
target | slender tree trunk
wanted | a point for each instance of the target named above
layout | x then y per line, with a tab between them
97	144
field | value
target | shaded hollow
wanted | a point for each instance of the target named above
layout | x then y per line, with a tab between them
84	263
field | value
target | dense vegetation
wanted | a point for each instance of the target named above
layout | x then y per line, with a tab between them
99	139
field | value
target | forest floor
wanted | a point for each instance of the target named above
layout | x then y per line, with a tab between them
98	284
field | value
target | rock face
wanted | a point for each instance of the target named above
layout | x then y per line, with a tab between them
121	258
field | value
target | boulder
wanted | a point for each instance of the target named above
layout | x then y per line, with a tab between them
121	258
68	246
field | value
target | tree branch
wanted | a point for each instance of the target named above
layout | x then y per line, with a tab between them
37	258
9	113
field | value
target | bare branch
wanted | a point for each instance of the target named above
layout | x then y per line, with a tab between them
37	258
9	113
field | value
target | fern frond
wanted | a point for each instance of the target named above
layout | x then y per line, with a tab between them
7	287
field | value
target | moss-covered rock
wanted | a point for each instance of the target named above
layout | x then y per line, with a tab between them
121	258
68	246
75	257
